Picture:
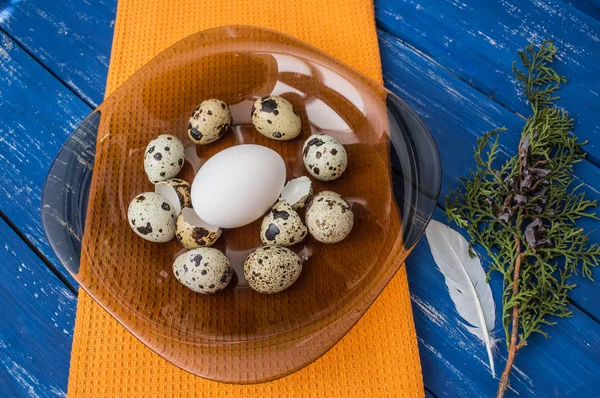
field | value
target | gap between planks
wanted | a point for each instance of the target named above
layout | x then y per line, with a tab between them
38	253
387	11
421	54
19	44
591	8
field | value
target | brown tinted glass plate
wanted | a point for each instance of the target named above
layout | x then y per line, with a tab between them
238	335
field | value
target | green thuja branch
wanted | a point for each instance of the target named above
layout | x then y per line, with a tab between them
523	211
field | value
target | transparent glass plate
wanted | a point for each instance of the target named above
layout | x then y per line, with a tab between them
238	335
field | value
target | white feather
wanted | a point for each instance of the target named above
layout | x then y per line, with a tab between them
466	283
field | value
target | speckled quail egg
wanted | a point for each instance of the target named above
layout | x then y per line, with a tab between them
177	192
274	117
329	218
272	269
152	217
204	270
282	226
193	232
324	157
163	158
209	121
297	192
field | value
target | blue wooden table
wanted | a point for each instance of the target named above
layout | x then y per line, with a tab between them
449	59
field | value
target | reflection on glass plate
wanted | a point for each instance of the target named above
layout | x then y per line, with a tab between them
240	336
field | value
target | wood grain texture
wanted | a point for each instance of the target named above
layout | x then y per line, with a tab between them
37	114
479	40
589	7
455	362
456	115
36	323
72	38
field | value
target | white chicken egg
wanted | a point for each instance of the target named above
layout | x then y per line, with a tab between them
238	185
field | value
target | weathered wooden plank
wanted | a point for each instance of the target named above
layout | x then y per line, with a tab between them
455	363
72	38
478	42
589	7
37	114
36	323
456	115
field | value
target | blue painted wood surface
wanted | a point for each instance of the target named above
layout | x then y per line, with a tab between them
478	40
72	38
454	104
37	312
564	366
31	133
589	7
456	115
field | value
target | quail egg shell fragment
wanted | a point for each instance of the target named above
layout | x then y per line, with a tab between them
152	217
329	218
204	270
282	226
297	192
209	121
324	157
193	232
163	158
272	269
275	117
176	191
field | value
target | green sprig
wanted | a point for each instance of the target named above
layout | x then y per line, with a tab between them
497	203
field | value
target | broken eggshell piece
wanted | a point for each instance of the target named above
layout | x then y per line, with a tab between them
297	192
176	191
193	232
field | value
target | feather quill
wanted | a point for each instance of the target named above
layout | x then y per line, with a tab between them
466	283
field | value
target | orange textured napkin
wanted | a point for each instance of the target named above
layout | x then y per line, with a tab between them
379	356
